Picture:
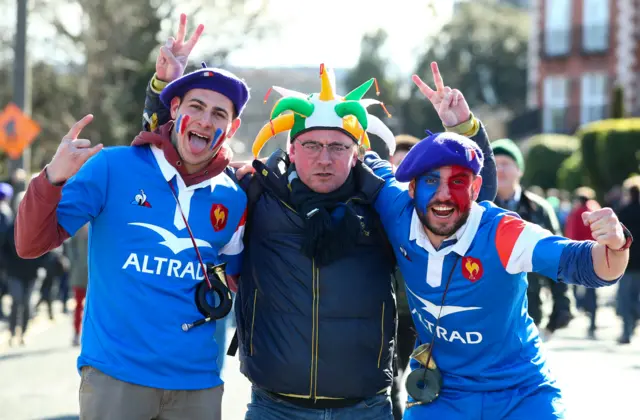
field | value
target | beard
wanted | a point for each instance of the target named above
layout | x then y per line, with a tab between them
445	231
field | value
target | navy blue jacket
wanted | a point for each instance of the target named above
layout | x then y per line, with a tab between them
310	331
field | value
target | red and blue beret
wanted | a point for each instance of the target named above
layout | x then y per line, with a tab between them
440	149
218	80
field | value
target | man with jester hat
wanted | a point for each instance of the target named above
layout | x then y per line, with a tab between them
315	306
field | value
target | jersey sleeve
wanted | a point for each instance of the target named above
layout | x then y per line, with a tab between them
394	195
84	194
231	253
525	247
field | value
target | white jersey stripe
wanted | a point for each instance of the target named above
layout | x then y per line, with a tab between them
235	244
521	260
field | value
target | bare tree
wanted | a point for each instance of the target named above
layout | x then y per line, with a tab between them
118	40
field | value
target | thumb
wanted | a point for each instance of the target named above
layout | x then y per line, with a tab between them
585	217
93	150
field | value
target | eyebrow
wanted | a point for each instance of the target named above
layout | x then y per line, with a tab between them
216	108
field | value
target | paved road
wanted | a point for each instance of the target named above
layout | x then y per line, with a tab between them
601	379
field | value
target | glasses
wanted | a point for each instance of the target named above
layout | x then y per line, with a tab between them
314	148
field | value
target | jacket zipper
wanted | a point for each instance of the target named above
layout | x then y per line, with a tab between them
316	288
253	321
381	338
314	347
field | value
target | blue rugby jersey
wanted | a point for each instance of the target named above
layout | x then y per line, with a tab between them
143	268
485	340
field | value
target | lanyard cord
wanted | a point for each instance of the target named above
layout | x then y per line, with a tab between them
444	295
193	240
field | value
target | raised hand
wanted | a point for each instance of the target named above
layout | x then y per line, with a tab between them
605	227
450	104
174	55
72	153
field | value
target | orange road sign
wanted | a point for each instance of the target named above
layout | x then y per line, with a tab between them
17	131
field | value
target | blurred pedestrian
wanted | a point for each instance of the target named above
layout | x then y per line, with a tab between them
535	209
77	248
629	290
584	201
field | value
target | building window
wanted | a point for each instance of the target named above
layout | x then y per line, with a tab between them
594	97
595	26
555	109
557	27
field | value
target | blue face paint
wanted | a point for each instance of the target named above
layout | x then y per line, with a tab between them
426	188
216	137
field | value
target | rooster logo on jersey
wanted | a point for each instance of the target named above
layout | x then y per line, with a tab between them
141	200
218	215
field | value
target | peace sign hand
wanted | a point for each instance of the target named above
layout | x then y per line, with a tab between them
174	55
71	154
450	104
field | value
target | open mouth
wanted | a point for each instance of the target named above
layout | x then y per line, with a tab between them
197	142
442	212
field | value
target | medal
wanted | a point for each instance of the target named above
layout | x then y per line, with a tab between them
424	384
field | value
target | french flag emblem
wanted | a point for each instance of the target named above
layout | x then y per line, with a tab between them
471	154
207	74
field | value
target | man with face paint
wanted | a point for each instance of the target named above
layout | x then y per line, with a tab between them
465	266
157	212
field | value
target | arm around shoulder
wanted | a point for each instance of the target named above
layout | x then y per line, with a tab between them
155	113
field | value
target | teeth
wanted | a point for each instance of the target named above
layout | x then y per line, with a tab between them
443	208
200	135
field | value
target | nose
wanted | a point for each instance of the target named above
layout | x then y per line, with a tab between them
206	123
325	157
443	193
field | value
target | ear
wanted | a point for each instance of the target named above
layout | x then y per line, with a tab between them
235	124
412	188
354	157
476	186
175	104
292	152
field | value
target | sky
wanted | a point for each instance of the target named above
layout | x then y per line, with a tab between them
326	31
330	31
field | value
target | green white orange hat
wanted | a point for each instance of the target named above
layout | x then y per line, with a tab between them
325	110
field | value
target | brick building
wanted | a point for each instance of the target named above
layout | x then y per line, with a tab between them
579	50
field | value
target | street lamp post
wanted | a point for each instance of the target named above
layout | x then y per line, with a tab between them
21	80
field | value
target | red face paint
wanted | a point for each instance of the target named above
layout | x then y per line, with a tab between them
181	123
459	183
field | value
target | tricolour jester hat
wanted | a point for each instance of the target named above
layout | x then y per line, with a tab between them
325	110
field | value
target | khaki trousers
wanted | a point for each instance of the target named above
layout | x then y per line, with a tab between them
105	398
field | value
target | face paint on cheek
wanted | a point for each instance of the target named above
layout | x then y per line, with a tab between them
426	188
460	188
181	123
217	138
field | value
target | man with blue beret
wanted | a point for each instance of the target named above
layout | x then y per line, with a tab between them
158	213
464	263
